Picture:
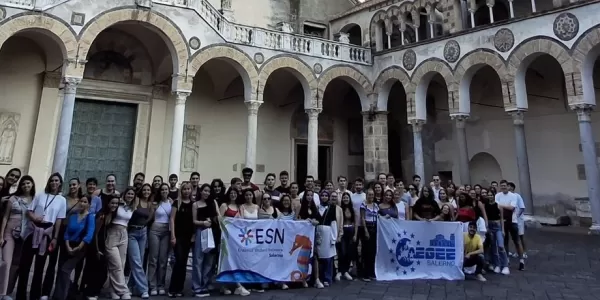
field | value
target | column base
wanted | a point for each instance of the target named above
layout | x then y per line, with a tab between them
594	229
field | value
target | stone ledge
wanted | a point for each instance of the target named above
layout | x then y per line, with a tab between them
532	221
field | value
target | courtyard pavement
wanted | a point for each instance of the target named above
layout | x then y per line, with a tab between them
563	263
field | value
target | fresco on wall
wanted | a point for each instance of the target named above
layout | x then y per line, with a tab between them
191	148
9	126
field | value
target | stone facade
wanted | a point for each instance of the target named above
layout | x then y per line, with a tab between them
411	63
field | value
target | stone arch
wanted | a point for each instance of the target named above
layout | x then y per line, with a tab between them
131	48
466	68
355	78
422	77
585	52
385	81
56	29
171	34
297	67
484	168
374	25
520	59
238	59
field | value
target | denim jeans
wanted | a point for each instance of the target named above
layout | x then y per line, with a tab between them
326	269
497	253
347	250
136	247
202	267
158	245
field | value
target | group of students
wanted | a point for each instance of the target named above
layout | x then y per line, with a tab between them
130	233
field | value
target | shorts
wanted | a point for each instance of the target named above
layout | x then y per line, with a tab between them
521	224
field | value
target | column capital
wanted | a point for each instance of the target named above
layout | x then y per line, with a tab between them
584	111
181	97
417	125
71	83
518	116
313	113
460	120
253	106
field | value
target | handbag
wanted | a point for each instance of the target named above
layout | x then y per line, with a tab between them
207	240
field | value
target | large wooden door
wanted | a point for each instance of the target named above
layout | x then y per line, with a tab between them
102	139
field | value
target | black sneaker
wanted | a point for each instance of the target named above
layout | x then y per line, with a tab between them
521	265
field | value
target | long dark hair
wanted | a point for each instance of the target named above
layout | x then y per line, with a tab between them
139	193
244	191
220	196
347	206
283	209
305	205
239	200
210	202
47	189
380	196
6	187
158	198
428	199
19	192
392	203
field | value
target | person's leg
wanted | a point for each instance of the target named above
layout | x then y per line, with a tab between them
6	253
50	276
135	254
14	266
197	261
78	273
328	272
521	224
38	273
153	249
372	245
178	274
63	277
358	264
514	234
208	266
164	246
27	256
507	226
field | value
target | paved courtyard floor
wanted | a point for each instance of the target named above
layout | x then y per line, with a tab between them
563	263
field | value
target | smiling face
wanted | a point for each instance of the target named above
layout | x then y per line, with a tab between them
146	191
156	182
13	177
205	192
84	204
110	182
73	186
233	194
129	196
26	185
248	197
345	199
217	187
270	181
54	183
173	182
164	191
113	204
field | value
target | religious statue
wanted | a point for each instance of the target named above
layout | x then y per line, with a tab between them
8	136
191	136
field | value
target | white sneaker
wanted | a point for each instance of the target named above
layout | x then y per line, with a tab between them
497	270
145	295
326	284
505	271
44	298
284	286
161	292
347	276
240	290
225	291
89	298
126	297
318	284
338	276
114	296
491	268
480	277
153	293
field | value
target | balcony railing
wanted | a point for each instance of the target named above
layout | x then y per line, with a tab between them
271	39
31	4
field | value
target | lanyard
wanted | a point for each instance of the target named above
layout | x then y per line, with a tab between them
47	204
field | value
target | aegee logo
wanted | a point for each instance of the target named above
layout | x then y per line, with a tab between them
261	236
412	253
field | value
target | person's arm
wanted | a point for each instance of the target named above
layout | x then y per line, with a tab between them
502	220
416	210
407	210
340	222
483	213
97	227
222	209
30	211
5	205
172	224
91	229
217	213
363	213
195	215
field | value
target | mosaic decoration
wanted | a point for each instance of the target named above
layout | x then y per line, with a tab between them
566	26
259	58
452	51
318	68
409	59
195	43
77	19
504	40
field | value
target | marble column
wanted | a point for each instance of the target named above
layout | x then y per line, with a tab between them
61	149
590	159
252	106
522	160
417	126
312	159
463	153
177	133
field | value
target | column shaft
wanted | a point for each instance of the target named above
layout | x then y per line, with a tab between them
417	126
252	106
522	160
463	153
177	133
312	159
63	138
592	175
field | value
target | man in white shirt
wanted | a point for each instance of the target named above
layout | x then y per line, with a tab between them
391	180
382	179
520	219
509	202
309	185
436	187
358	198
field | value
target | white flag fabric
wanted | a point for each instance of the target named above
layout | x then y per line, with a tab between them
419	250
263	251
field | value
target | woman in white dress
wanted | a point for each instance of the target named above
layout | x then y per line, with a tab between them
327	235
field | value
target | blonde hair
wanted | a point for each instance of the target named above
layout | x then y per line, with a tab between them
179	195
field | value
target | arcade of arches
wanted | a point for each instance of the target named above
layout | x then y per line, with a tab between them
130	114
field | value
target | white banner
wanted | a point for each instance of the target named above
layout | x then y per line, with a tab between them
419	250
262	251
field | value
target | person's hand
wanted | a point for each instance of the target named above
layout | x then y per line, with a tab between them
367	235
339	239
314	222
208	223
99	255
173	241
354	239
468	255
428	220
2	243
53	243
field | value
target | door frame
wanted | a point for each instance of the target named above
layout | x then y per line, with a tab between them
96	90
302	141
